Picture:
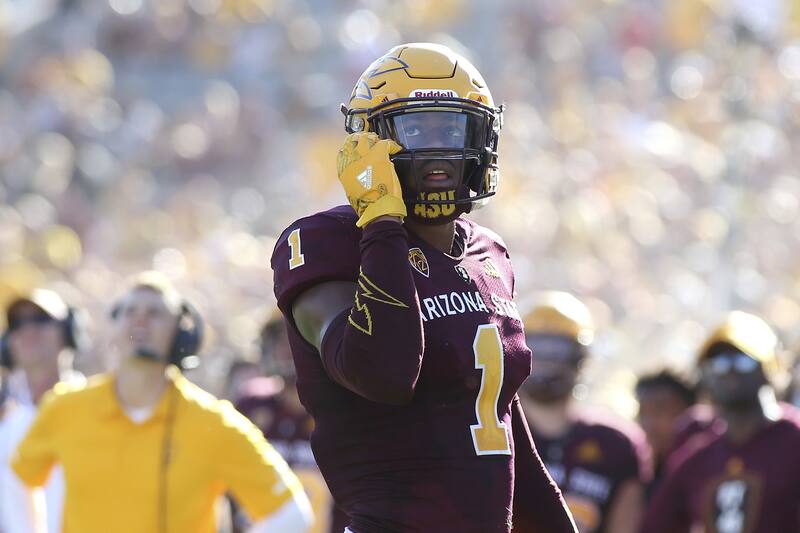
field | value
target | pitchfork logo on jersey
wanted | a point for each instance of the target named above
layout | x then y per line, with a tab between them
490	269
419	261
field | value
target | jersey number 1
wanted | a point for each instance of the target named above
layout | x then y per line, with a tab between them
297	258
489	435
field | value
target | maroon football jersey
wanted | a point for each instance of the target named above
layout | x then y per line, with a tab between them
289	432
715	486
444	461
697	420
590	463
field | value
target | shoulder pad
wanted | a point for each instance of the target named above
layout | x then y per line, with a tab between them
319	248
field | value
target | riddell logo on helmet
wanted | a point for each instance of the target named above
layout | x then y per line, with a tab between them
433	93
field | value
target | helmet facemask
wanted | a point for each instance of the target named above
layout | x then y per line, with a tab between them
448	163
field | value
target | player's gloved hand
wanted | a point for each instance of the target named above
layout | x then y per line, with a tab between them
369	178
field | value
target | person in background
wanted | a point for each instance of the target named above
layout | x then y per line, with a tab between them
37	352
271	402
746	477
145	450
663	398
600	464
240	372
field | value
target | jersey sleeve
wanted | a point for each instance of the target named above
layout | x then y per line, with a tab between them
322	247
538	504
36	454
375	348
252	470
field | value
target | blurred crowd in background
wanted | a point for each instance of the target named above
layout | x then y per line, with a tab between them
649	157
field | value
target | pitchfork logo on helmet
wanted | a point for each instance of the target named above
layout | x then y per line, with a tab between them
436	105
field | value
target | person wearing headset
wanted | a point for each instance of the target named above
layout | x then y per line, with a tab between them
34	350
143	449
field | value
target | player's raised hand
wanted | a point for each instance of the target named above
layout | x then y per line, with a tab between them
369	178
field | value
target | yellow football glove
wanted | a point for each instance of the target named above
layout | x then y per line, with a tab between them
368	177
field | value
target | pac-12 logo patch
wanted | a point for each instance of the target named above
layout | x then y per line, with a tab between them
419	261
463	274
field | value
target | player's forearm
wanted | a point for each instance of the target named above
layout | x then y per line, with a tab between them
538	505
375	349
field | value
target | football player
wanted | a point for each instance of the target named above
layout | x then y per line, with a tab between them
408	347
600	464
663	397
746	478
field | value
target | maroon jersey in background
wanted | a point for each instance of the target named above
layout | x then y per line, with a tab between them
715	486
421	467
286	429
697	420
271	409
590	462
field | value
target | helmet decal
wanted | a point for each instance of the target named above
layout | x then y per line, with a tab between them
362	90
385	65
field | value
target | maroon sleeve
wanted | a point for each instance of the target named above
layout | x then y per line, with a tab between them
667	511
315	249
375	348
538	504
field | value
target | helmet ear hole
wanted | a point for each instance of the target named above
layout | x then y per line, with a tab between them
353	123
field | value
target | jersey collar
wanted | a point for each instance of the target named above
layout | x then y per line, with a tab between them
176	384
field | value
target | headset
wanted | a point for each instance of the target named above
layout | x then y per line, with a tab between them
188	335
75	337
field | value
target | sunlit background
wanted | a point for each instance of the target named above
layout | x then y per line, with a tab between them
650	154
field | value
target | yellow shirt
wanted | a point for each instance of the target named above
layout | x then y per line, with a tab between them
119	475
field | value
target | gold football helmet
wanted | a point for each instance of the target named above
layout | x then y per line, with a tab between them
751	335
436	105
560	313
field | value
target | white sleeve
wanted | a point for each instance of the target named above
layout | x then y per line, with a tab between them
23	509
293	517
